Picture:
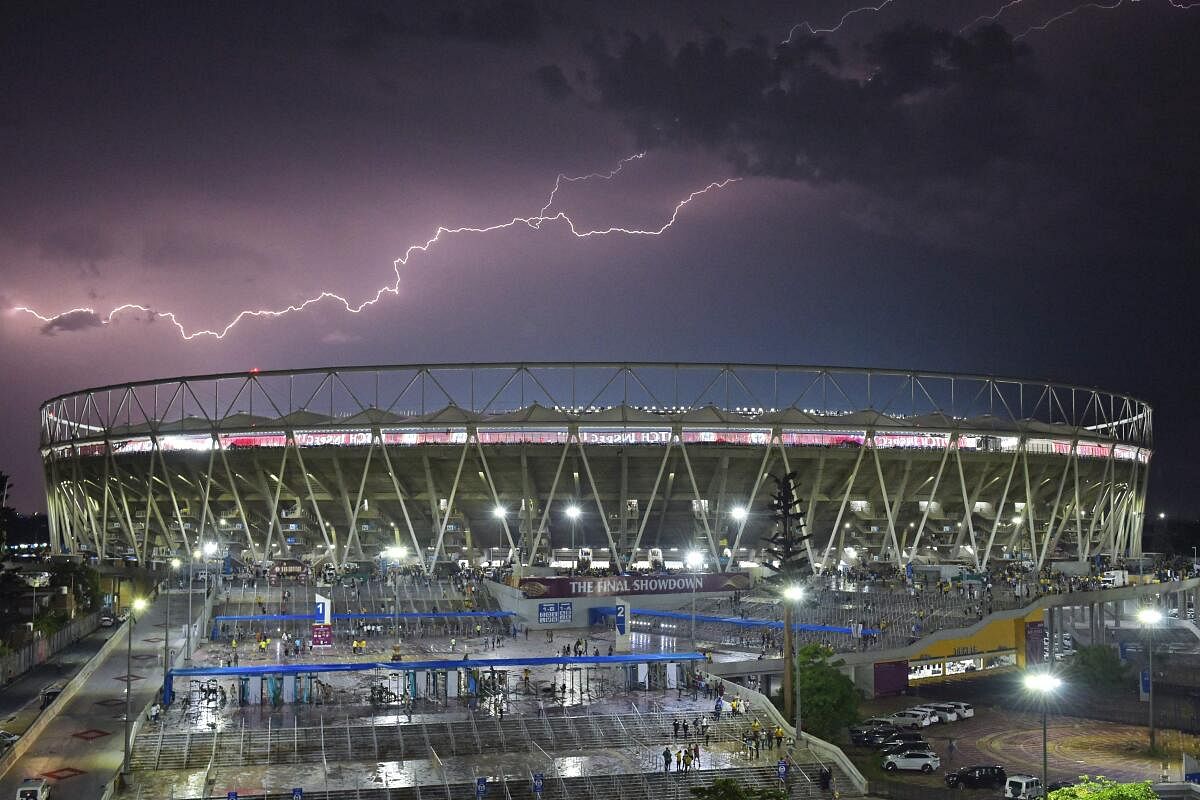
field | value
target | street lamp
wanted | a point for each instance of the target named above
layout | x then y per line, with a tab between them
191	582
167	624
1043	684
792	595
138	605
1150	617
739	513
694	561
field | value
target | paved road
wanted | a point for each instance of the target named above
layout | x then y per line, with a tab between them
20	700
82	748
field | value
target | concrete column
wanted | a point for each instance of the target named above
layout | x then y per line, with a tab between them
1117	613
1048	625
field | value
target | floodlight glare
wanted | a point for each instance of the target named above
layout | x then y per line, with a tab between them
694	560
210	548
394	553
739	513
573	512
793	593
139	604
196	554
499	512
175	563
1149	616
1042	682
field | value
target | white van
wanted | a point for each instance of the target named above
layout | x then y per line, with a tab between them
1114	578
33	789
1023	787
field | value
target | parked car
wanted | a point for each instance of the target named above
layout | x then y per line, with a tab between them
1023	787
880	735
893	747
938	714
33	789
861	735
965	710
923	760
107	618
978	777
910	719
902	736
947	708
7	740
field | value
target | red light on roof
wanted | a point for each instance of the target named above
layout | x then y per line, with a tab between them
254	370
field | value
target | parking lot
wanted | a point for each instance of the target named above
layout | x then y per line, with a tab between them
1012	738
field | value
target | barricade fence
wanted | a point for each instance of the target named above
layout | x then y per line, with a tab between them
42	649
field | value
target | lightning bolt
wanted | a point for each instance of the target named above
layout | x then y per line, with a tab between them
811	31
534	221
1176	4
990	17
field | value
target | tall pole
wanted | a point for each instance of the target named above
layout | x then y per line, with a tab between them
789	666
190	618
1045	779
128	685
167	637
1150	692
693	615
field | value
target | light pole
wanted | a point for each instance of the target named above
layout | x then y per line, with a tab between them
791	595
191	563
397	554
693	562
1043	684
1150	617
167	626
137	606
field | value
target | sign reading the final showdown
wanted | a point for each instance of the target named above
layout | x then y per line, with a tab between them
583	586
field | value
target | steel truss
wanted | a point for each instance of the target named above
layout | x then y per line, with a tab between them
894	465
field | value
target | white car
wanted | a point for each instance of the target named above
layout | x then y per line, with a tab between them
965	710
1023	787
927	711
7	740
923	760
942	712
909	719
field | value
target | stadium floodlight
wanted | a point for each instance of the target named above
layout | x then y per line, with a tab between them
395	553
139	604
1042	683
851	552
573	511
694	560
499	512
175	562
794	592
196	554
739	513
210	548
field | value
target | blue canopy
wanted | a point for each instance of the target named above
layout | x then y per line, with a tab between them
400	615
750	623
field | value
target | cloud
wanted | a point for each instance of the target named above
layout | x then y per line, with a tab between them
928	102
553	82
189	249
74	321
83	245
339	337
367	32
507	22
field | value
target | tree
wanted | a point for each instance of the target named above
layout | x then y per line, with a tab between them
790	562
6	513
726	789
830	701
1101	788
1099	667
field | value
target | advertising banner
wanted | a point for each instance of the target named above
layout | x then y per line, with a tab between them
583	586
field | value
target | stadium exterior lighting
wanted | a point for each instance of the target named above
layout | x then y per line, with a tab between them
794	593
694	560
499	512
1044	685
739	513
210	548
573	511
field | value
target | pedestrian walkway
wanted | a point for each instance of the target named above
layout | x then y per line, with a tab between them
82	748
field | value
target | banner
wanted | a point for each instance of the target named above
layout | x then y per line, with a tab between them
324	610
581	586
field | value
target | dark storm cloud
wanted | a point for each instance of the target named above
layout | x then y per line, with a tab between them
75	321
932	103
505	22
550	77
83	245
181	248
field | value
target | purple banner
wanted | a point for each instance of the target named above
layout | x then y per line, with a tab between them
620	585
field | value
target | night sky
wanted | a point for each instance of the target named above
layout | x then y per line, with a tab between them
912	193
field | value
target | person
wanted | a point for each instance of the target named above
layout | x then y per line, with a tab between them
717	710
779	736
666	756
704	729
687	761
826	778
675	733
696	754
453	644
678	760
685	729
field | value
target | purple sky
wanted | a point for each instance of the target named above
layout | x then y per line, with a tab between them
909	198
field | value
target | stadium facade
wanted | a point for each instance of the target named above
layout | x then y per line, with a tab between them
445	460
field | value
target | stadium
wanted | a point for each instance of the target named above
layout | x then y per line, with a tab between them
623	463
